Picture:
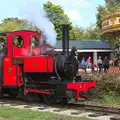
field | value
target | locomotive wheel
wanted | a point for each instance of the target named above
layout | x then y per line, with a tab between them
31	97
1	93
64	101
49	99
12	93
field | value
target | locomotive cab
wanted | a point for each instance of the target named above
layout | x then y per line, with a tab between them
25	43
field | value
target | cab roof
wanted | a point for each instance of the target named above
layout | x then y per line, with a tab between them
5	33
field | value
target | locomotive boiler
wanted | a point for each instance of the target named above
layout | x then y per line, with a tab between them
35	70
66	64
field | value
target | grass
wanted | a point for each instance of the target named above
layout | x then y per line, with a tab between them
109	100
7	113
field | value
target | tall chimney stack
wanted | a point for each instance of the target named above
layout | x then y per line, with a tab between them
65	36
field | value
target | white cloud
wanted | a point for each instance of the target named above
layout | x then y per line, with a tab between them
72	3
73	15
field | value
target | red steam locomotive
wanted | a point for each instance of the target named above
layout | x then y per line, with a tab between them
32	68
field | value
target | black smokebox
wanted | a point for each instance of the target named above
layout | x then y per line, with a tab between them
65	35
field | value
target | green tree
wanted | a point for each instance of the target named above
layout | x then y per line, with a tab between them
79	33
92	32
112	3
13	24
57	16
101	11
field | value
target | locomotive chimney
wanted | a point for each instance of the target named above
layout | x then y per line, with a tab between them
65	35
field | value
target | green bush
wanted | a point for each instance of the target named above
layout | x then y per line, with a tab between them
107	84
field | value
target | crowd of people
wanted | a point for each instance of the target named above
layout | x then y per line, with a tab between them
102	64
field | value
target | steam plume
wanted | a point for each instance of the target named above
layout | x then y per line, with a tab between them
33	12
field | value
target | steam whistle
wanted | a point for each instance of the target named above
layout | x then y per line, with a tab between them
74	51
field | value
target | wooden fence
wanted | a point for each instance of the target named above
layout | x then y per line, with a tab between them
114	69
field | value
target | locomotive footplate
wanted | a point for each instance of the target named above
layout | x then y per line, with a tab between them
77	90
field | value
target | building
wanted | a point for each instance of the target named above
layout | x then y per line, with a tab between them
86	48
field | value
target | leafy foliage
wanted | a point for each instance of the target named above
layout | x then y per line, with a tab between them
112	3
57	16
13	24
101	11
92	32
107	84
79	33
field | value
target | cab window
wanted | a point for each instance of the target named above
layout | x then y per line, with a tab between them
34	41
18	41
3	46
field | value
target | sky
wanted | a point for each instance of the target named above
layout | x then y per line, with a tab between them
81	12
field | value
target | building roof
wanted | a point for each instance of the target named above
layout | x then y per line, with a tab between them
85	44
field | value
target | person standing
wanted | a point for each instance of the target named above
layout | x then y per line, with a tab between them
88	63
83	64
99	64
106	64
116	62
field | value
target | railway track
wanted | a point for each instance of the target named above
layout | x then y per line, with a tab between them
78	110
103	109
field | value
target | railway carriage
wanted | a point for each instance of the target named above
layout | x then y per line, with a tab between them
30	67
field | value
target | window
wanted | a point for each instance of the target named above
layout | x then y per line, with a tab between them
3	46
18	41
34	41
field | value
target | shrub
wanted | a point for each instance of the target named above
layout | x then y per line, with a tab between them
107	84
